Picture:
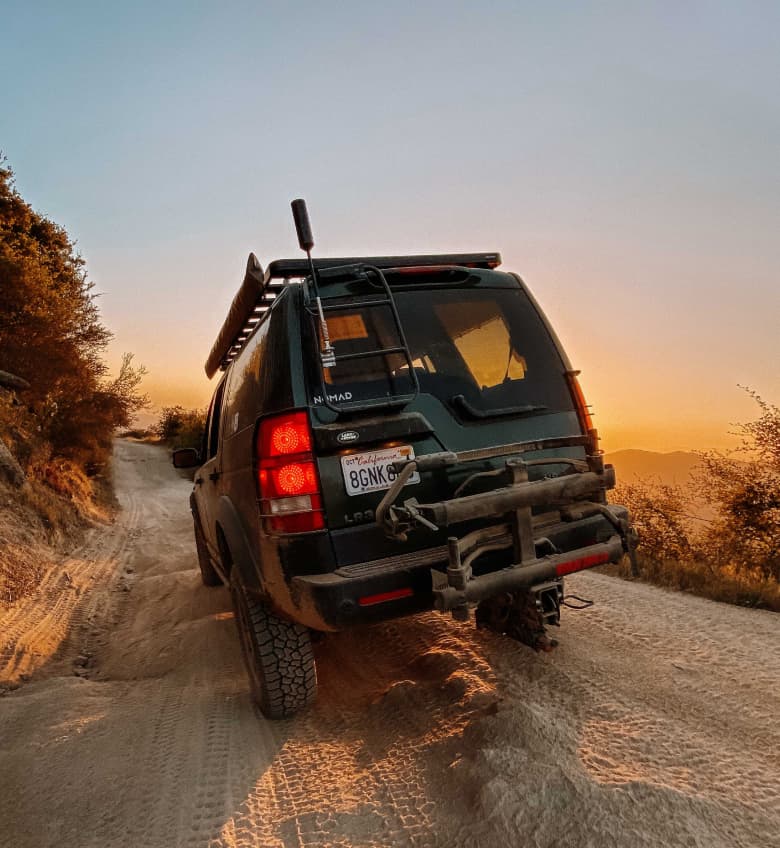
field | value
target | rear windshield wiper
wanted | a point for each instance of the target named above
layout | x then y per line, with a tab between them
472	411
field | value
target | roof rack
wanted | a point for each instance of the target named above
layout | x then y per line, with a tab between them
259	290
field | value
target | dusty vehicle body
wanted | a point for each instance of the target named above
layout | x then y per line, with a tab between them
392	435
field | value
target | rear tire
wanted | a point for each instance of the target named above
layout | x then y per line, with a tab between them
277	654
208	574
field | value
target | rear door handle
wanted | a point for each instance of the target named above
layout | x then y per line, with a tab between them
198	481
214	476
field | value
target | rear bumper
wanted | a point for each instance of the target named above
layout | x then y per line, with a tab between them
353	595
529	574
403	585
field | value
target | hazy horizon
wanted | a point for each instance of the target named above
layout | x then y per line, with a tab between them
623	161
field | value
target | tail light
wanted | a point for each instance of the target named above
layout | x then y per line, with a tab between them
290	494
583	410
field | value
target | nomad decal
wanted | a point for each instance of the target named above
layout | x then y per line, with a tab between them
341	396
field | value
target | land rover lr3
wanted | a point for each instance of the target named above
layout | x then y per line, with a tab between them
392	434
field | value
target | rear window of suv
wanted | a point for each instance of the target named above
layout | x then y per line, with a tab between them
487	346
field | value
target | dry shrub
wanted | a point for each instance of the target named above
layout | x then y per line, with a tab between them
20	431
181	428
21	571
663	518
733	557
722	583
68	480
138	433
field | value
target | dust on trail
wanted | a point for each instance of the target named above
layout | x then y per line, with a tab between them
654	722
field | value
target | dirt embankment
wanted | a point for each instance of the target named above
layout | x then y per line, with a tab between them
654	722
39	526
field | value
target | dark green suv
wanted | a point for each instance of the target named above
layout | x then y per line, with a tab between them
390	435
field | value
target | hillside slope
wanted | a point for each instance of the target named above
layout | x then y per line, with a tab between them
668	468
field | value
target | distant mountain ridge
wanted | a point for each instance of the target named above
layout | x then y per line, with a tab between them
670	468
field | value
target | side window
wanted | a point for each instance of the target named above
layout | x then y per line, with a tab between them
245	376
215	415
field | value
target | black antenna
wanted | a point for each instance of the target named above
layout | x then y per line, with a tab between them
302	225
306	241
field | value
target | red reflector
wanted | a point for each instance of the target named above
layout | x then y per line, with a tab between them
370	600
581	563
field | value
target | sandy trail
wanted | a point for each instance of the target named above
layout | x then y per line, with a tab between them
654	723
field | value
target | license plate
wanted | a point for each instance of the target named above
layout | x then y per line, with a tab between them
372	471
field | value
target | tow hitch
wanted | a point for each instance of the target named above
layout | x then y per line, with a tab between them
524	615
523	598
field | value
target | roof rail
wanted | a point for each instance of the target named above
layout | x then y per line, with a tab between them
259	290
287	268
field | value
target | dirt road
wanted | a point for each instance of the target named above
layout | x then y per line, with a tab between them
654	723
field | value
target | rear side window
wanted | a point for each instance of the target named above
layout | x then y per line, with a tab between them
488	346
212	423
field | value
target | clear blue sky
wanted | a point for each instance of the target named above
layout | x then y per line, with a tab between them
625	159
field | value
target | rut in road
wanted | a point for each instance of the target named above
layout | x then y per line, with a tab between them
653	722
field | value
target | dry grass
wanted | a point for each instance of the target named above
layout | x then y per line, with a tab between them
43	520
26	529
722	583
47	516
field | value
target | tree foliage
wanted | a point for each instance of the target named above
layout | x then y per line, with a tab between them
51	335
659	513
182	428
742	491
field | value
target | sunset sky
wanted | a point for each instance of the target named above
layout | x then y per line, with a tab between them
625	162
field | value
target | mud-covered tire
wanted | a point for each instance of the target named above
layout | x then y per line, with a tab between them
277	654
208	574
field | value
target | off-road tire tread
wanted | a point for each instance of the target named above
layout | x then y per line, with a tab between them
285	661
208	574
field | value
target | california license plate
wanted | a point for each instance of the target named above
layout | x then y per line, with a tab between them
372	471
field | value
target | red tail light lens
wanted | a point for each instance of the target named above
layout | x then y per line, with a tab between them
290	496
283	435
288	480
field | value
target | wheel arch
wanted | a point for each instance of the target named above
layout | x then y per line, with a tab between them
234	547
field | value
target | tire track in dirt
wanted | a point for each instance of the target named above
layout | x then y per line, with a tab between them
36	629
356	762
